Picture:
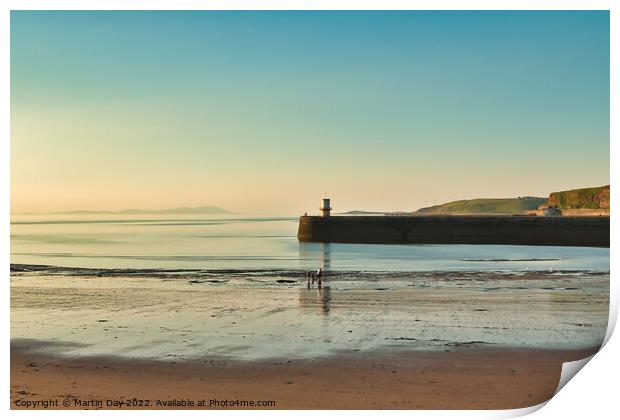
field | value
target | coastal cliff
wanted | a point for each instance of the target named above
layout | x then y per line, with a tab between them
584	198
585	201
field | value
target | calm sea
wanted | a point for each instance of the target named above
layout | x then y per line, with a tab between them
245	243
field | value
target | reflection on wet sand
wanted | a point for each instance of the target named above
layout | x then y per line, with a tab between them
254	315
321	296
311	299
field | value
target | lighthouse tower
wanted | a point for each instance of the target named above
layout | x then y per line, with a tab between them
326	208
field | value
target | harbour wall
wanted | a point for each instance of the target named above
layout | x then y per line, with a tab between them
440	229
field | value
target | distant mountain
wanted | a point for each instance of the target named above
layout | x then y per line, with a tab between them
583	198
177	210
486	205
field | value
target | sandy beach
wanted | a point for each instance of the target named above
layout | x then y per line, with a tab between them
458	379
363	340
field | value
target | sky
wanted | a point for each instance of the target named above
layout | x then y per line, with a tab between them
266	112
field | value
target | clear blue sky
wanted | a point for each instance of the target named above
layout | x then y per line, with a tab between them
263	112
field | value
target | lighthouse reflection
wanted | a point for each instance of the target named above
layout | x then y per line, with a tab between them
326	256
314	297
315	255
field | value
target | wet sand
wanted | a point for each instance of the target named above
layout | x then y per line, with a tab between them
251	316
469	378
427	340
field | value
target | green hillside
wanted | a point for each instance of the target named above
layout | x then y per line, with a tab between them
486	205
584	198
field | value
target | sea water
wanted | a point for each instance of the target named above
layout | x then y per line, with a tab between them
243	242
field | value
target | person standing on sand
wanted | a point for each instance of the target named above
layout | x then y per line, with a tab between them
314	276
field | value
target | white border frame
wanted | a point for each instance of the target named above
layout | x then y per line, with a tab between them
592	394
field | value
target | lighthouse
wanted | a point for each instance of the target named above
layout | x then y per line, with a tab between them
326	208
